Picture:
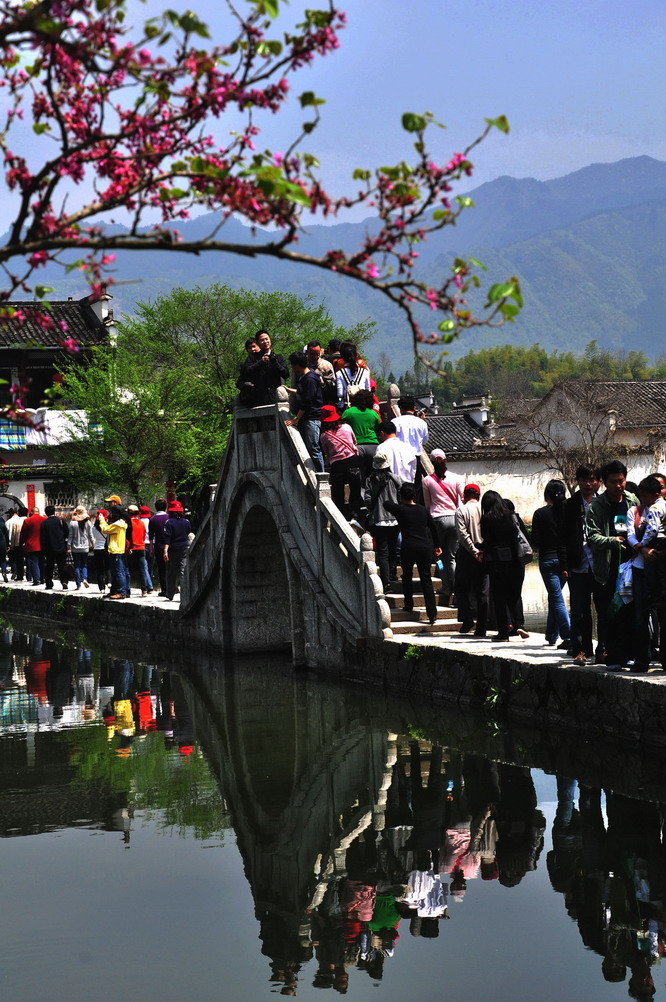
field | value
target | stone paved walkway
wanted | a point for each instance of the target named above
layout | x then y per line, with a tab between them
94	592
533	651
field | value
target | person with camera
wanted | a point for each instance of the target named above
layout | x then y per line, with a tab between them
261	373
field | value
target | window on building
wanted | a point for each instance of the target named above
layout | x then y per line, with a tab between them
61	495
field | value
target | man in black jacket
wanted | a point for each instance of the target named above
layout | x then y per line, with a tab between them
583	587
53	534
261	373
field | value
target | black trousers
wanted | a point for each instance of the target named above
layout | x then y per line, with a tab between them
101	571
346	472
506	581
423	559
386	550
583	590
472	590
58	560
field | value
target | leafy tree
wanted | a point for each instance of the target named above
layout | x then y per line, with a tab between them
140	427
162	397
509	371
124	119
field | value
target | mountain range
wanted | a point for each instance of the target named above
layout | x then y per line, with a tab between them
589	249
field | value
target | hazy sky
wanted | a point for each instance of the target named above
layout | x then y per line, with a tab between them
580	82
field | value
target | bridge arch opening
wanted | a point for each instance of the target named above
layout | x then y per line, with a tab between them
261	607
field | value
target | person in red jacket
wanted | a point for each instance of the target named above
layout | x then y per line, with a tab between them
30	542
138	554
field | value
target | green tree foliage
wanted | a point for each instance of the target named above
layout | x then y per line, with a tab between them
161	399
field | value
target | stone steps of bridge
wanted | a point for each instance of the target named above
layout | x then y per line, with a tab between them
400	615
421	627
395	599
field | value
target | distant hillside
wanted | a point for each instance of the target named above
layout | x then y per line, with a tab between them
589	249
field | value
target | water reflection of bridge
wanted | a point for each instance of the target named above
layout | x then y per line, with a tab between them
304	770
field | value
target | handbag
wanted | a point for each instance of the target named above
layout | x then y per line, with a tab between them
523	548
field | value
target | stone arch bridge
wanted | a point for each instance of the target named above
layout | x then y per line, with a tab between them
275	565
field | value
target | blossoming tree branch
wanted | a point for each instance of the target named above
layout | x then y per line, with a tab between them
123	120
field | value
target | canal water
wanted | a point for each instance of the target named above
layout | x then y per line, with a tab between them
198	831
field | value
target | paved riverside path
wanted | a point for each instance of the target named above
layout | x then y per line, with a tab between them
533	651
93	592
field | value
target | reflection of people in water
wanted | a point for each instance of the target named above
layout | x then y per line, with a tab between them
427	802
520	826
613	880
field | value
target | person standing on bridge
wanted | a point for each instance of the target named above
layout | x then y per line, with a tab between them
177	531
309	402
339	443
419	537
262	372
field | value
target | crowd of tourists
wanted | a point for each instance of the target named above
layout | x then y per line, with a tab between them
109	545
606	542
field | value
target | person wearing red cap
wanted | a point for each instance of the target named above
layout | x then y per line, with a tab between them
339	446
471	576
138	553
177	531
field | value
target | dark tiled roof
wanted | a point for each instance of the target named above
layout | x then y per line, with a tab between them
452	432
82	325
513	410
639	403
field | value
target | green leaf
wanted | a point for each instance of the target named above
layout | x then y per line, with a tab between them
500	123
296	194
308	127
309	98
446	325
478	264
269	48
39	127
42	290
361	175
465	201
190	22
441	213
74	265
412	122
509	310
269	7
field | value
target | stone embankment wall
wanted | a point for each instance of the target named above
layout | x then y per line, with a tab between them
588	701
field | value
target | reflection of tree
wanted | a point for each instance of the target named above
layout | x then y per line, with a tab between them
175	792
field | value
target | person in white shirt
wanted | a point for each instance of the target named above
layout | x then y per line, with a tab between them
442	494
408	427
402	457
14	526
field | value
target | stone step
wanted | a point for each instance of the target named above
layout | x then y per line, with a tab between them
395	600
441	627
419	613
436	581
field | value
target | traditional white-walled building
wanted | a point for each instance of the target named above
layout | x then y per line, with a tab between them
31	449
516	453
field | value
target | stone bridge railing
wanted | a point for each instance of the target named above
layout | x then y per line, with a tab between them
275	564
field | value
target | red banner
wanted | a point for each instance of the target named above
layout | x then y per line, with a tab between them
30	496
